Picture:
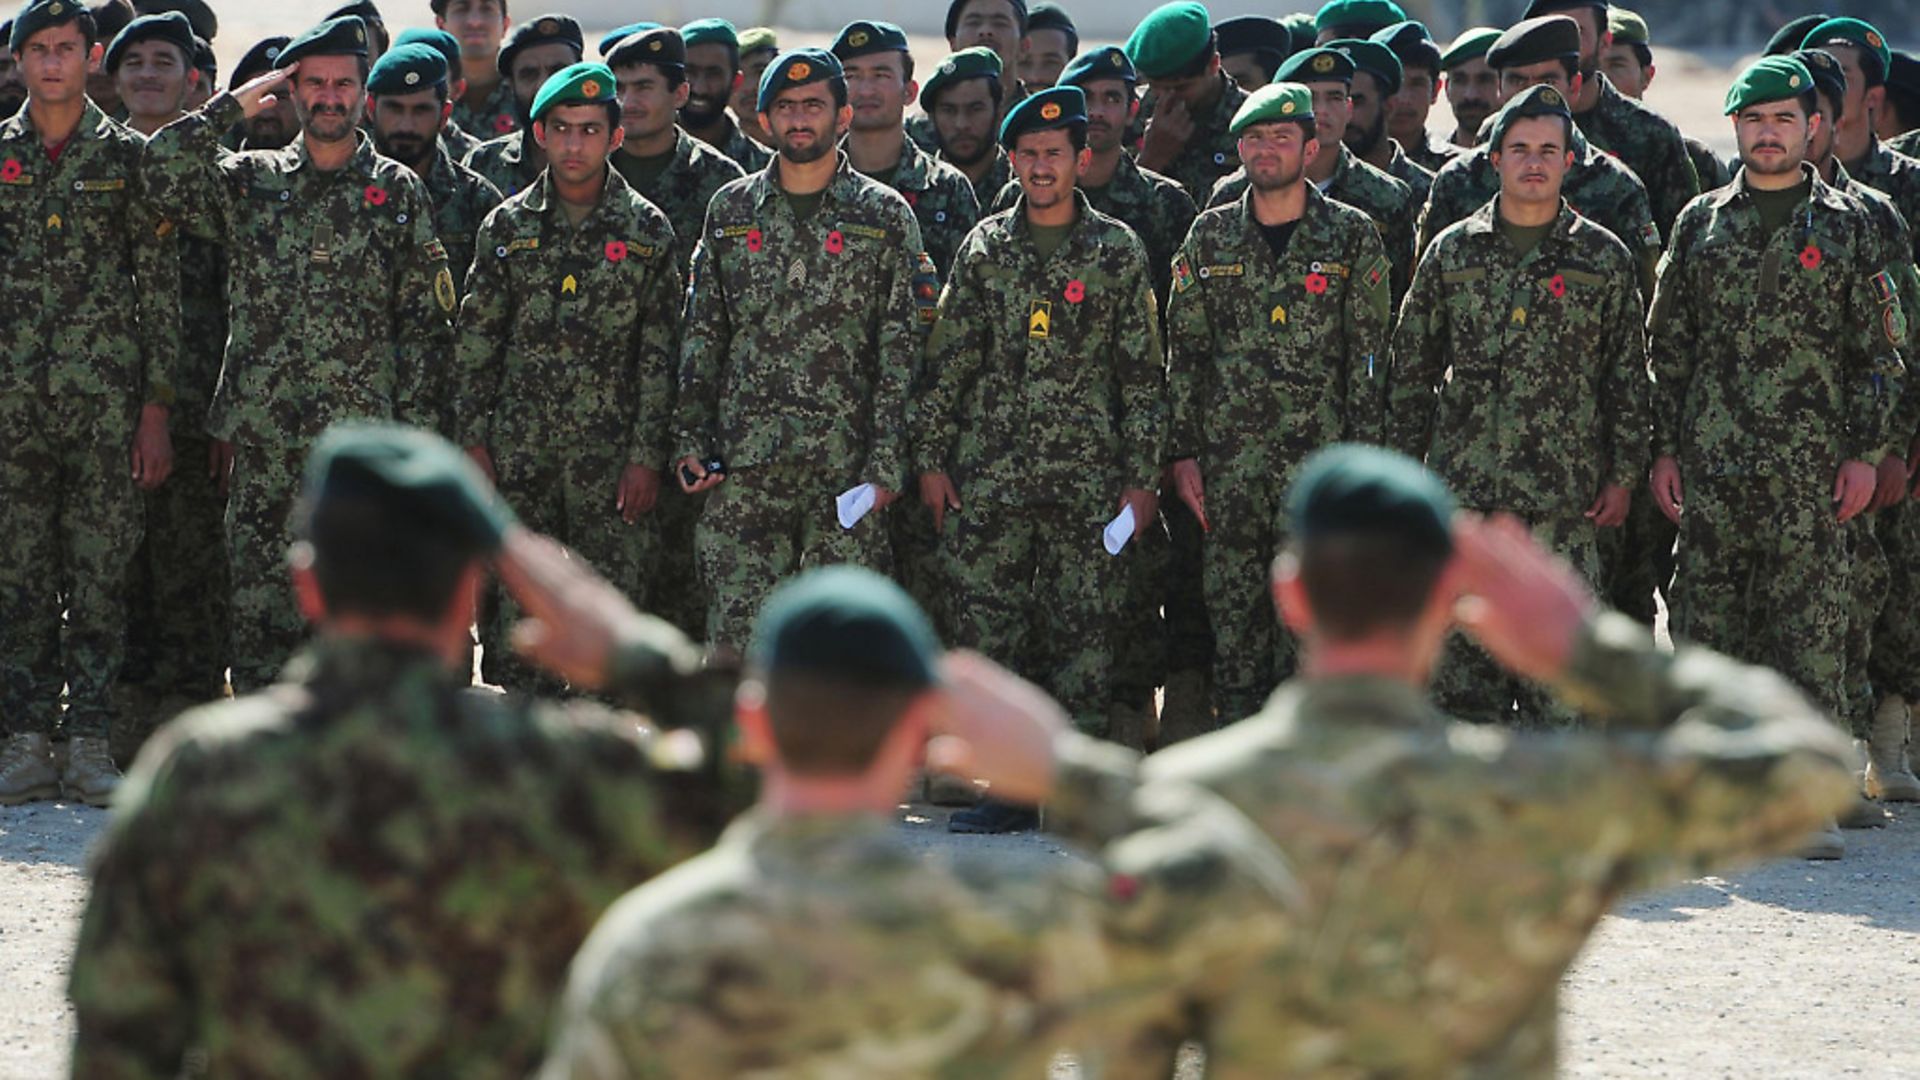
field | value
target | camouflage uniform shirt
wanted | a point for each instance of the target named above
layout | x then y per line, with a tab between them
1647	143
683	189
461	200
1212	151
496	116
1894	175
505	162
1416	176
1388	201
942	198
1431	154
746	151
457	142
1158	210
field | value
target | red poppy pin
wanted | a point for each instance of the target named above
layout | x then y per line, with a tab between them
11	170
1075	291
912	197
503	123
836	243
1316	283
616	250
1810	257
1557	285
376	196
755	240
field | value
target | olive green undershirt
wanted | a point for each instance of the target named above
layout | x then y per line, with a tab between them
1048	238
1524	238
1776	207
805	206
643	171
576	212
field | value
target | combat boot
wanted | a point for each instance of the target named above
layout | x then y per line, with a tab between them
26	770
1824	845
90	776
1888	776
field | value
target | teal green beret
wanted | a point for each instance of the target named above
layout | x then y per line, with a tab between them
1106	62
843	622
172	28
1373	58
1350	488
662	46
796	68
1788	38
205	23
38	15
1361	17
614	36
711	32
344	36
545	30
1048	110
1854	32
758	38
976	62
576	84
1770	78
864	38
1470	45
407	69
1627	27
1274	101
1320	64
429	479
1170	38
1535	41
1411	45
1531	102
438	40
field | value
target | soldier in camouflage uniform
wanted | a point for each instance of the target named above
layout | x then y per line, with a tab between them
1864	57
1278	346
1190	102
486	110
796	411
13	88
758	46
713	66
1520	377
415	862
85	377
274	127
1376	79
1407	831
1252	48
1407	110
962	97
339	295
1629	67
453	139
1473	87
535	53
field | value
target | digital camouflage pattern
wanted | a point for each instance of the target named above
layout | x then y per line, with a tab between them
457	143
1387	201
507	162
1043	398
1212	151
1648	144
743	149
1707	165
1406	832
942	199
1155	207
1432	154
1894	175
461	200
1417	177
497	115
1269	361
413	863
998	176
1908	144
94	333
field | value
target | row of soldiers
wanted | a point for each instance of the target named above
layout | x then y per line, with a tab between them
1012	376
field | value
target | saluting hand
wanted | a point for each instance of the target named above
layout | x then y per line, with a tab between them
575	618
997	727
256	95
1524	604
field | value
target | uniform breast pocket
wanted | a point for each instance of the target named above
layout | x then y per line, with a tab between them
98	209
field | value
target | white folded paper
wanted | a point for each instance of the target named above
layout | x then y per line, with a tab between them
853	505
1119	531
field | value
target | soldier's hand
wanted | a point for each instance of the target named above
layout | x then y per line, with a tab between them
702	479
1853	488
256	95
484	459
996	727
1609	509
883	497
220	463
1191	490
1524	604
1167	133
1890	483
1664	480
1145	505
639	490
152	448
575	619
938	492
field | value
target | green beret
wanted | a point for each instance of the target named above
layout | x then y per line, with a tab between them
1627	27
1548	7
1361	17
1469	46
758	39
1259	34
1299	26
345	36
662	46
1050	16
434	484
864	38
205	22
1411	45
711	32
1170	38
1273	102
407	69
545	30
1770	78
1854	32
438	40
1829	76
617	34
575	84
1535	41
1105	62
1349	488
798	67
1373	58
955	7
1049	110
362	8
1319	64
258	60
843	622
1788	37
39	15
976	62
172	28
1527	104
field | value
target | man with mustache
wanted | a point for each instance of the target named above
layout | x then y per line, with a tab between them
275	126
151	65
999	27
453	138
1376	81
13	88
340	302
109	18
963	98
1191	102
758	46
485	110
713	73
1473	87
1049	42
1420	82
1629	65
1252	48
534	53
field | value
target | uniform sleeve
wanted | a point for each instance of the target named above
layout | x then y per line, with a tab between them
1671	335
1627	393
956	352
1141	369
897	355
1906	414
1365	324
180	170
423	302
1673	184
1189	359
1398	238
480	346
657	345
155	244
1420	357
1878	375
707	335
1177	213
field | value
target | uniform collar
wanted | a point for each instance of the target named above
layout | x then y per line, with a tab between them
1821	194
1487	219
541	196
915	171
1019	225
1316	209
765	184
362	162
19	127
1345	701
344	665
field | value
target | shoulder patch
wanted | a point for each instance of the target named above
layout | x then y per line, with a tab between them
1182	274
443	292
435	250
1375	273
1883	287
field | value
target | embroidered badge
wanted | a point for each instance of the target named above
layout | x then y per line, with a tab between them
1182	274
443	290
569	286
1278	317
1040	319
1883	287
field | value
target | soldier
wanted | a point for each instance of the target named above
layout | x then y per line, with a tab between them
1520	377
366	752
1628	62
713	73
1473	87
86	386
1376	79
1042	419
999	27
109	18
1048	43
13	88
962	97
409	98
1191	101
758	47
486	110
786	418
535	52
454	139
1771	292
1339	19
1899	124
207	66
151	63
378	40
1252	48
1278	345
348	232
1863	53
1420	84
1407	830
275	126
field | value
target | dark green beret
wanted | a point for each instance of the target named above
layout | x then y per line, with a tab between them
575	84
1904	75
1411	45
1361	17
1170	38
1627	27
864	38
613	37
1051	109
955	7
545	30
1273	102
407	69
796	68
1349	488
1105	62
1829	75
843	622
1548	7
1770	78
976	62
1299	26
438	40
661	46
1535	41
39	15
758	39
1373	58
172	28
1254	34
205	22
362	8
1469	46
1855	32
1319	64
1532	102
204	61
711	32
427	480
1788	37
258	60
345	36
1047	16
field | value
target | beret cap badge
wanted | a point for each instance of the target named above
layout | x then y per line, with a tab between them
548	26
857	39
590	88
799	71
1323	64
1050	111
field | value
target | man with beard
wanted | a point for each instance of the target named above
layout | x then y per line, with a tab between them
1048	43
1772	292
963	98
151	65
409	98
1376	80
276	125
1628	63
1278	346
534	53
1473	87
354	324
1191	101
1000	27
109	18
486	109
1407	110
453	139
713	73
86	387
780	416
758	47
13	88
1252	48
1864	55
